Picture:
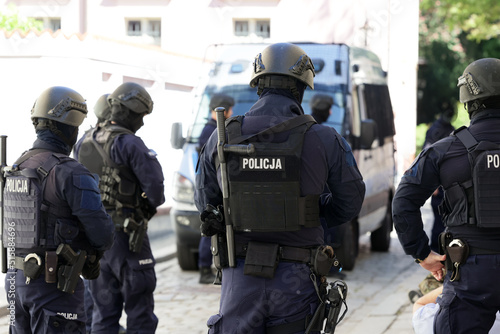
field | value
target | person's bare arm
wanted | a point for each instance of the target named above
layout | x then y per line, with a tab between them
429	297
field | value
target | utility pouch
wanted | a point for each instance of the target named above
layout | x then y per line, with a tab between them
32	267
261	259
50	267
323	260
136	232
457	251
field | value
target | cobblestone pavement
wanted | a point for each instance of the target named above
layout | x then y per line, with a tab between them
377	292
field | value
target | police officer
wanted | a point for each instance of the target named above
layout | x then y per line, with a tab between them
45	287
321	105
204	251
131	184
471	241
272	287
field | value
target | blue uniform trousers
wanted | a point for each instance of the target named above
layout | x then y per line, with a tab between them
205	252
39	307
469	306
251	304
126	282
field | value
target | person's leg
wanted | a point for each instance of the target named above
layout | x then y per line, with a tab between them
108	300
205	261
139	283
470	304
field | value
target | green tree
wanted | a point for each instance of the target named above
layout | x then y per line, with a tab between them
10	20
452	34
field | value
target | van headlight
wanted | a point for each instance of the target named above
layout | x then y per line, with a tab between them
182	189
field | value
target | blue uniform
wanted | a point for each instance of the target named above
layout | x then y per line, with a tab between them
468	305
39	306
127	279
251	304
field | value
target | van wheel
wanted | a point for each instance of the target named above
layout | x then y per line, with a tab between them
187	259
381	238
348	249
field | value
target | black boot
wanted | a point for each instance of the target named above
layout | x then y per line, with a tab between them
206	275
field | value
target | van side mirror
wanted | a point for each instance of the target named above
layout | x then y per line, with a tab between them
369	131
176	139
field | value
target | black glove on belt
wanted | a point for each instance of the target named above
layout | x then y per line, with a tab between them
212	221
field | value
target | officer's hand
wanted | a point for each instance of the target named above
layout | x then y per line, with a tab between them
92	266
433	263
212	221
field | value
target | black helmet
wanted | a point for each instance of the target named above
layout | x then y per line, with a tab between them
60	104
283	59
133	96
102	108
480	81
321	102
221	100
129	103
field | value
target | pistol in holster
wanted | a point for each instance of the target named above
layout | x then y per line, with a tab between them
220	256
68	273
136	232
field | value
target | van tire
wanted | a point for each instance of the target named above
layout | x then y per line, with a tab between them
381	238
348	249
187	259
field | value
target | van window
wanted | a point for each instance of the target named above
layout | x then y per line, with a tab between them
379	109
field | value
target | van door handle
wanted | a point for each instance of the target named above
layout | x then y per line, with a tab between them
368	157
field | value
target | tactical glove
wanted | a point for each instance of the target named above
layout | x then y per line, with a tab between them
92	266
212	221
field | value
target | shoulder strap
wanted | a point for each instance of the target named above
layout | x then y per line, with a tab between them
283	126
464	135
105	157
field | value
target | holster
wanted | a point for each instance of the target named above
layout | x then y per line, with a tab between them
323	260
261	259
136	232
68	274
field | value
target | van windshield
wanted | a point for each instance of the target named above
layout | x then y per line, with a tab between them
245	97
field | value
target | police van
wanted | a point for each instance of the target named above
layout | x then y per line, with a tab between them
361	113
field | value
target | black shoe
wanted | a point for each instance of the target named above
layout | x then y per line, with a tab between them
206	275
414	295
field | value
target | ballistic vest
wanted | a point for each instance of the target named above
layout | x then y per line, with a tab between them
117	183
476	201
264	188
29	221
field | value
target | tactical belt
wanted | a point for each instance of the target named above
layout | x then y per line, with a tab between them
285	253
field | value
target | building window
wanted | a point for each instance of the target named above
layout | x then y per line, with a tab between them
263	29
154	28
52	23
241	28
145	31
134	28
252	29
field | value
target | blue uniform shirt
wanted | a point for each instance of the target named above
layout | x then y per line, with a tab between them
326	160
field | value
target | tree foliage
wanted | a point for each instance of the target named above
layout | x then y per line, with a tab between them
479	19
10	20
452	34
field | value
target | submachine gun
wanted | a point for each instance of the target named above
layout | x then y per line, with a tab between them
222	148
